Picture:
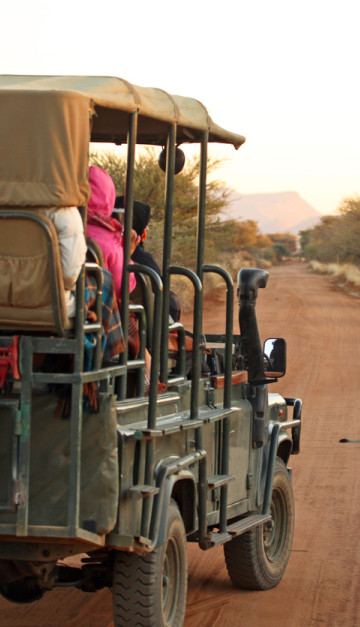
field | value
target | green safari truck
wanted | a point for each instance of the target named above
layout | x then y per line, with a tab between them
127	485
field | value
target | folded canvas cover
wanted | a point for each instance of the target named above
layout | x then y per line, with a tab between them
47	122
44	144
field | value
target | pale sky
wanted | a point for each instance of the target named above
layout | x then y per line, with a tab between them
285	74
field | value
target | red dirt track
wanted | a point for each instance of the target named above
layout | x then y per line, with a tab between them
321	584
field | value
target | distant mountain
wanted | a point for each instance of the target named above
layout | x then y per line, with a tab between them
275	213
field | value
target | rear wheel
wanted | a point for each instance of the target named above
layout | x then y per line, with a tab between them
151	589
257	559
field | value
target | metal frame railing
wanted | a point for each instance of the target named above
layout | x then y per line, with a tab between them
115	377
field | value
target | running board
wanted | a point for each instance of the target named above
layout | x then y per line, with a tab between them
237	528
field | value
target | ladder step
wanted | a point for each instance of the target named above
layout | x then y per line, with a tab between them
219	538
235	529
218	480
142	491
247	523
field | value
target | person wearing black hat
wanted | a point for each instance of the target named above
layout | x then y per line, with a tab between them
141	218
140	224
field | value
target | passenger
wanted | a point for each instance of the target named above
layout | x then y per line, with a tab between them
70	231
140	223
104	229
107	232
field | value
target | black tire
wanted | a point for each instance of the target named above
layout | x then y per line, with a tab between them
257	559
151	589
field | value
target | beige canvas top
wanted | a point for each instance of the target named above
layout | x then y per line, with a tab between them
47	122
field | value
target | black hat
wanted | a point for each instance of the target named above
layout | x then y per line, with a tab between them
141	214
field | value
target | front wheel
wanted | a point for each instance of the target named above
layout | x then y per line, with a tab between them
257	559
150	590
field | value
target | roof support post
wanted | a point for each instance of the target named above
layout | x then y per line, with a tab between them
169	205
197	328
202	205
129	198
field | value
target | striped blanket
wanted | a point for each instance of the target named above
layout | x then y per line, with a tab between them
113	342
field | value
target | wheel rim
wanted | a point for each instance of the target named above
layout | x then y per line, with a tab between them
275	537
171	581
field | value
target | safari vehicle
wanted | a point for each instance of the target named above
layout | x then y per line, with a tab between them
127	486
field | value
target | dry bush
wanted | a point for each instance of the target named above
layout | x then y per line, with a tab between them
352	274
316	266
346	276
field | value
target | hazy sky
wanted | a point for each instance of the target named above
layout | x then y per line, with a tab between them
285	74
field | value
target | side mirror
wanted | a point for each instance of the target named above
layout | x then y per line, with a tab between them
275	357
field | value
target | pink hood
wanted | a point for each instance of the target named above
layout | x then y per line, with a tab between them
104	229
103	193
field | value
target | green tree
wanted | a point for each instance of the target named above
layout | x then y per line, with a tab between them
336	238
284	243
348	231
322	241
149	184
149	187
221	237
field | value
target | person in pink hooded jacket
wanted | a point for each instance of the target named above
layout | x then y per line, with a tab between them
107	232
104	229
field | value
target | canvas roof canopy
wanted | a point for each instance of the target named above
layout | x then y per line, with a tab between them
47	122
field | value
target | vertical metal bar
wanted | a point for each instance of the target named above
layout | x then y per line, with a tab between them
224	471
22	516
197	330
228	343
225	441
202	205
140	376
98	345
76	412
169	205
274	437
75	457
155	355
129	197
198	304
147	502
155	361
228	328
194	400
202	493
79	322
196	370
196	362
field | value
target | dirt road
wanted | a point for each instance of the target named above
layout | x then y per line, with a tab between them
321	584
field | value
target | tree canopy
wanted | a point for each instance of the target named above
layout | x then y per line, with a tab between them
149	184
336	238
221	237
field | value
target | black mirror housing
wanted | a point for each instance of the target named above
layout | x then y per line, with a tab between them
275	357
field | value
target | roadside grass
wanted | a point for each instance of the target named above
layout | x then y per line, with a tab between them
346	276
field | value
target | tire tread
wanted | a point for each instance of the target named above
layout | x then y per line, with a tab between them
246	565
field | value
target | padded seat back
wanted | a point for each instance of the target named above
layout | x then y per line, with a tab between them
32	296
